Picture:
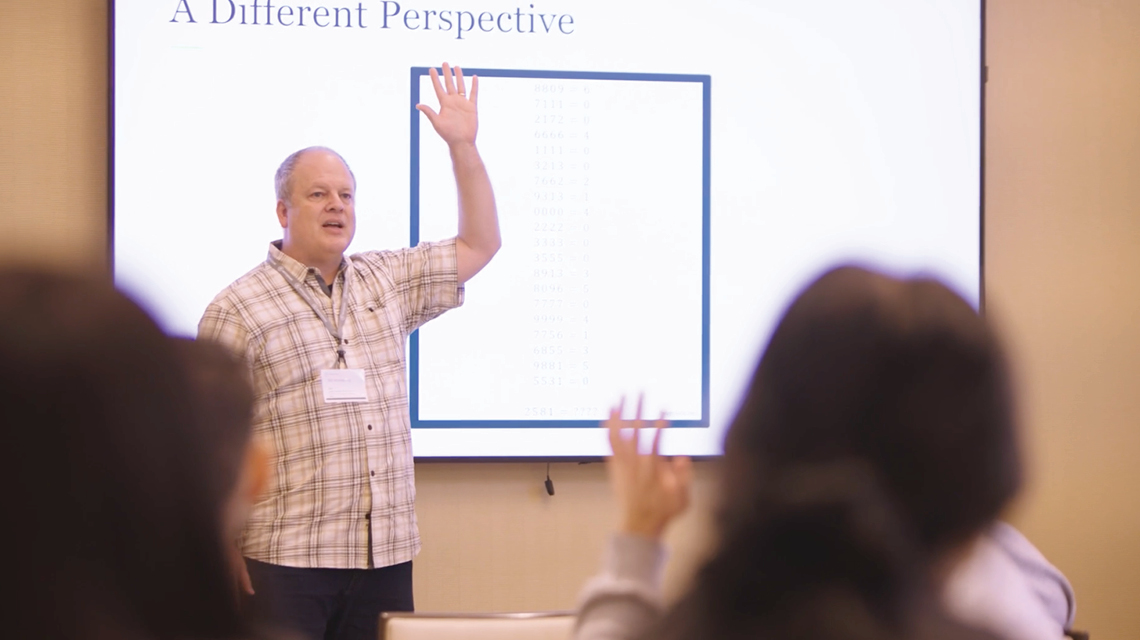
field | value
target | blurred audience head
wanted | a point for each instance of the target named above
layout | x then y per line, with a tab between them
875	442
898	380
115	531
235	470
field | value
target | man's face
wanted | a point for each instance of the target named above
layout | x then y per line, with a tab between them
319	217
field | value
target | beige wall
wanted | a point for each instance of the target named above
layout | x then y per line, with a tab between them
53	130
1063	279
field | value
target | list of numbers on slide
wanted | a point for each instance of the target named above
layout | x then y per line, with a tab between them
560	252
603	225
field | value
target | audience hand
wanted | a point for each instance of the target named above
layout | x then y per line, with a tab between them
651	490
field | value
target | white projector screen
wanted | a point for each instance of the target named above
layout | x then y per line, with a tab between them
667	176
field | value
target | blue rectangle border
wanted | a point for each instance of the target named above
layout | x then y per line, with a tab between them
414	175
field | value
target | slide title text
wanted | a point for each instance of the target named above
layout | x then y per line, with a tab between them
387	14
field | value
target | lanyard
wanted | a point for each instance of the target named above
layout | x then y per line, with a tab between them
337	331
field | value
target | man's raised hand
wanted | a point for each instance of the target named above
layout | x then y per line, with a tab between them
457	121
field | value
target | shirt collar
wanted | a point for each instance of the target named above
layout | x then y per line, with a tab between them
293	267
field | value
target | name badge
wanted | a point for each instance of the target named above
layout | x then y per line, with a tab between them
344	385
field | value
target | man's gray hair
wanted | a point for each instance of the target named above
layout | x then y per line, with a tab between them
283	180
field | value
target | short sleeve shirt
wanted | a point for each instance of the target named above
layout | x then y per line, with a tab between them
341	489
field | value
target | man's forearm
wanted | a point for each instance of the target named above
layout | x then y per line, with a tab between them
478	220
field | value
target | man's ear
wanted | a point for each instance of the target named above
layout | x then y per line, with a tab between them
282	214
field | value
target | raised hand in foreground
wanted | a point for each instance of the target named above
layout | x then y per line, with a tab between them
651	490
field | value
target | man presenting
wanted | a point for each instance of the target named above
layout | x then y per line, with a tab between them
332	540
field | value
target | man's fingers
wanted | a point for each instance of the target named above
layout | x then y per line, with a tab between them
246	583
459	81
427	111
240	571
439	93
448	78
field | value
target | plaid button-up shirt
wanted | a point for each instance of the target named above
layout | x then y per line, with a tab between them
341	493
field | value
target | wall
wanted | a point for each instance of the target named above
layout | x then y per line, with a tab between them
1063	275
1063	279
53	131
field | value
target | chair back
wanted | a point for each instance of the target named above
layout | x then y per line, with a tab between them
551	625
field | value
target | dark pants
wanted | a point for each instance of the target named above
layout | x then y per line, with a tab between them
329	604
